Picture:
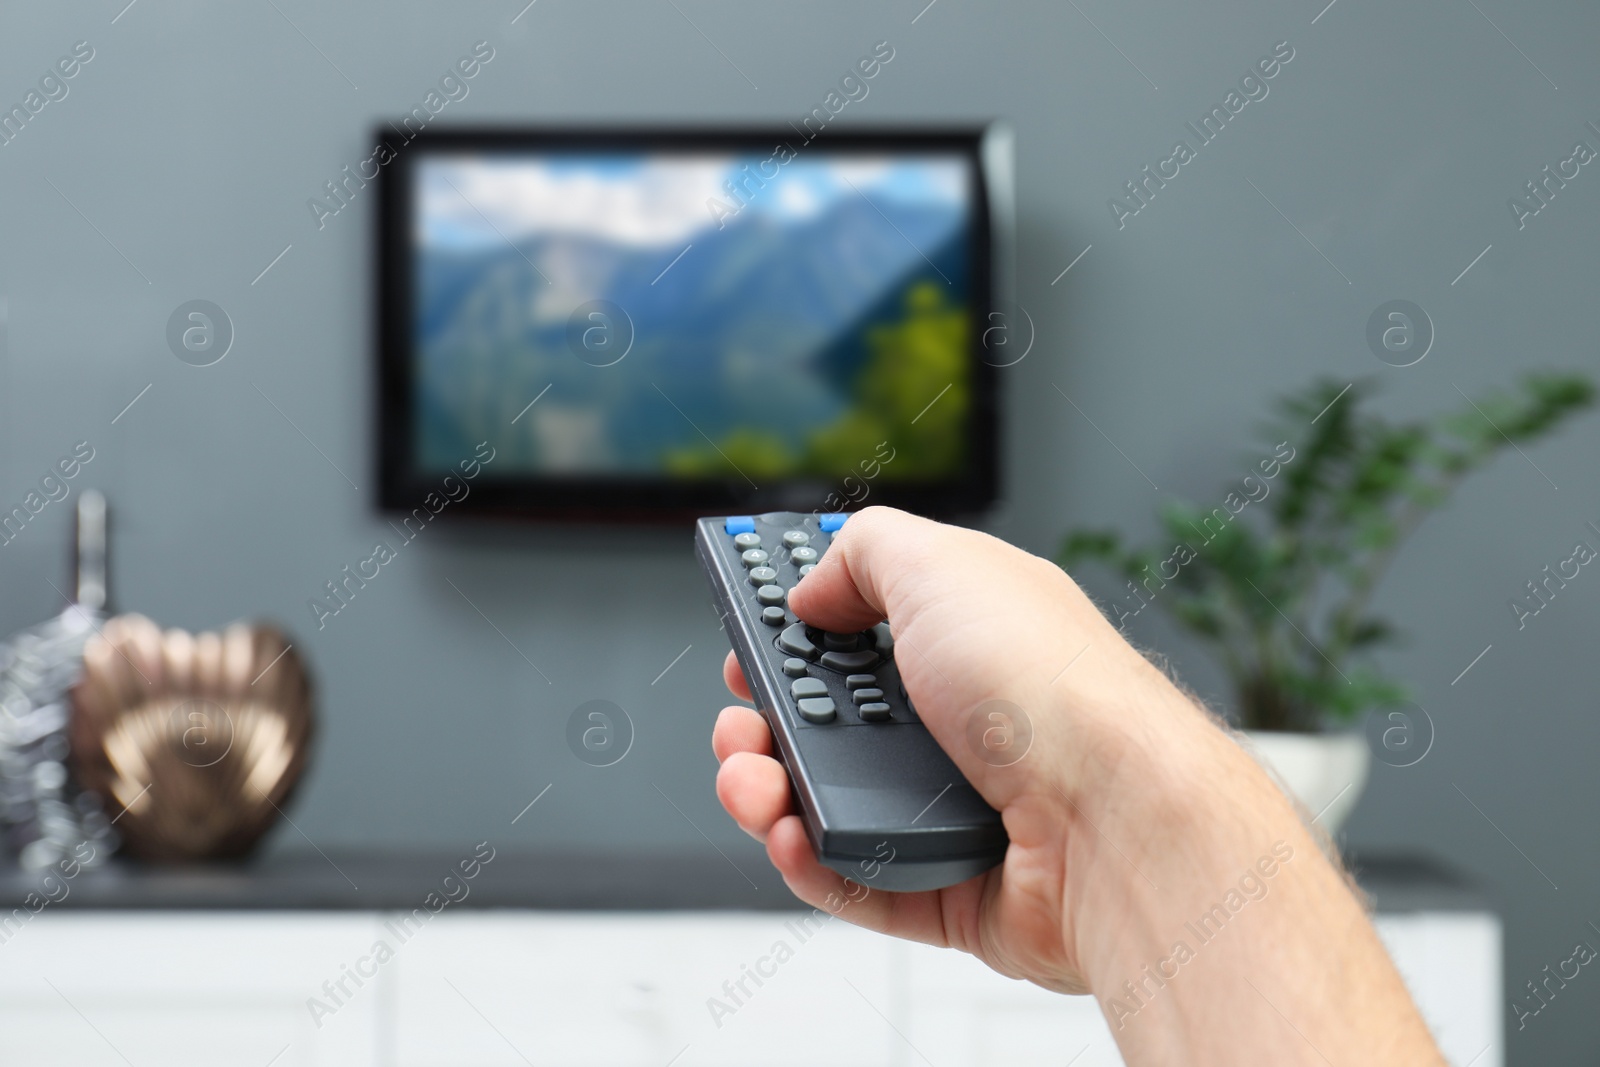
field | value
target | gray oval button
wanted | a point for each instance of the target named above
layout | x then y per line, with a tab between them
770	594
817	709
808	687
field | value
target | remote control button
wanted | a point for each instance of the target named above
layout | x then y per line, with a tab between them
762	575
754	557
807	569
796	538
803	556
738	524
773	616
827	523
907	698
794	668
808	687
873	712
859	681
770	594
818	709
843	642
795	642
883	640
867	696
747	540
849	662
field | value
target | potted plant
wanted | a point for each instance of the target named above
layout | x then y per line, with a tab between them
1278	577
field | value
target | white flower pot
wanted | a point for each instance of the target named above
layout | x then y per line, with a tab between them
1325	772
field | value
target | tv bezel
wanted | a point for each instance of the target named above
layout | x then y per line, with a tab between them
402	485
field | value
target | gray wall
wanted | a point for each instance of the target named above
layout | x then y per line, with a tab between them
1392	140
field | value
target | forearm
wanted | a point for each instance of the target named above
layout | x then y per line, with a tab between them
1211	927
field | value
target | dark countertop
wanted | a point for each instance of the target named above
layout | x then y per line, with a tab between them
555	881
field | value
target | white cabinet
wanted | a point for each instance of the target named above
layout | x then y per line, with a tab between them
491	988
1451	962
579	990
173	989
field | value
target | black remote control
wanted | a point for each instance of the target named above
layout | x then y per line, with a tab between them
882	803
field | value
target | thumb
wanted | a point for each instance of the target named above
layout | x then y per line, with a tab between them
853	586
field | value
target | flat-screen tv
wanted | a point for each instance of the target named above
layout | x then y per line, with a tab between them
635	324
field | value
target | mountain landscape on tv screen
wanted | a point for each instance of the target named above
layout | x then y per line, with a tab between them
771	347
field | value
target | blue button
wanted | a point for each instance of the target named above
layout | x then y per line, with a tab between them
738	524
830	523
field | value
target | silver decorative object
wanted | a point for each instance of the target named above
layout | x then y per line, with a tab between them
43	815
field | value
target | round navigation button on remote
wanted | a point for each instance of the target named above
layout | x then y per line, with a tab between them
747	540
770	594
794	668
843	642
796	538
818	710
753	557
803	555
773	616
807	569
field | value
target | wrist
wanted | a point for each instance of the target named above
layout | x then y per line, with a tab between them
1174	820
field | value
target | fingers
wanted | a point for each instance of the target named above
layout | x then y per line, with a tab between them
849	589
790	852
753	787
755	791
733	678
914	916
740	730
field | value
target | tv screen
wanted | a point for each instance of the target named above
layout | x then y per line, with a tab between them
673	323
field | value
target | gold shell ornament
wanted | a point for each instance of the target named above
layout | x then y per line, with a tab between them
195	740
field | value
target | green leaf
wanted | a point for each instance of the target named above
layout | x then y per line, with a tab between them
1082	545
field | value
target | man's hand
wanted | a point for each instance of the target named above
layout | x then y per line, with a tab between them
1130	813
